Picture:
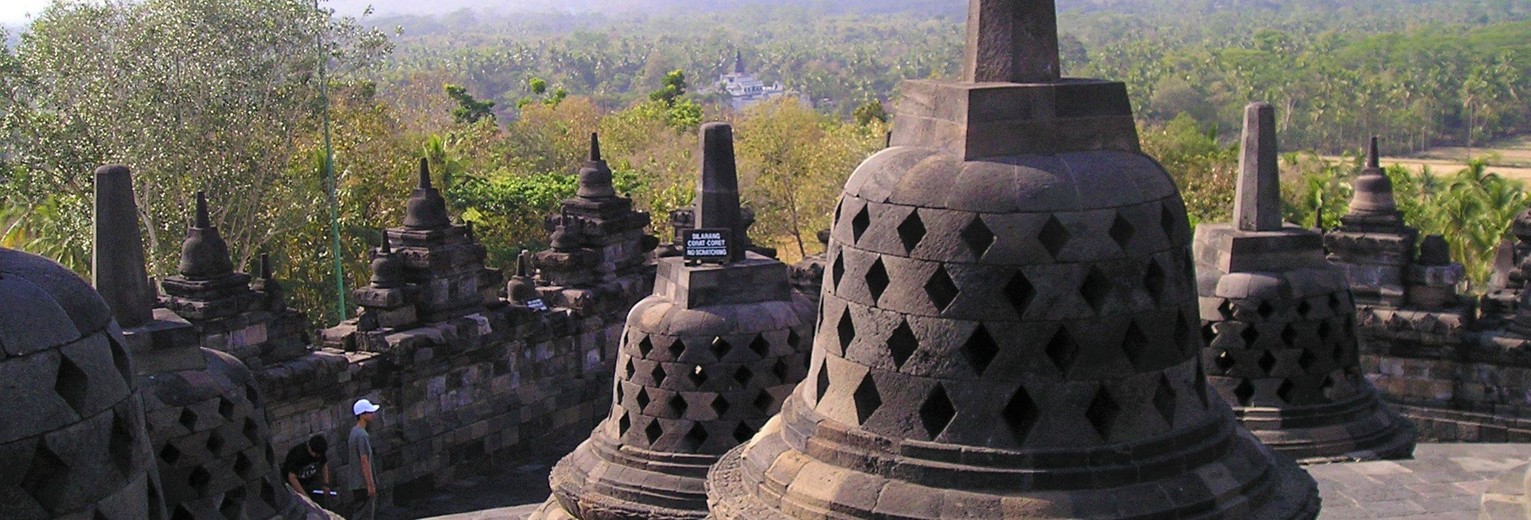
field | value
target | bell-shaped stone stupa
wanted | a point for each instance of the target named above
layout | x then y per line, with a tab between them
1008	322
1282	346
705	362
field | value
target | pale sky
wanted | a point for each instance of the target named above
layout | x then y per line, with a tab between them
14	12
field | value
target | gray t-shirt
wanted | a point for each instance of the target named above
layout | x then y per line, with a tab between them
360	444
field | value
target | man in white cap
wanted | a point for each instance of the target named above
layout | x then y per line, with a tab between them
363	473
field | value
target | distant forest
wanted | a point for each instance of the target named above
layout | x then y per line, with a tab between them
224	96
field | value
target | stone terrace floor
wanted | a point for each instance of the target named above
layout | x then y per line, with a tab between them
1443	481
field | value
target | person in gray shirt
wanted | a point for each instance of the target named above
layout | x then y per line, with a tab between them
363	470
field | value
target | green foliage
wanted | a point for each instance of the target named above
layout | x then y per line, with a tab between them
469	110
869	112
673	87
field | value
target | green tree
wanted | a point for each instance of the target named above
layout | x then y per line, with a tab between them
469	110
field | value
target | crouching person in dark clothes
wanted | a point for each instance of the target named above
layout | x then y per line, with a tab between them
307	469
363	472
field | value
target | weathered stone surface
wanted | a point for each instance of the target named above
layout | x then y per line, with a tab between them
1280	326
1007	329
703	363
118	257
72	433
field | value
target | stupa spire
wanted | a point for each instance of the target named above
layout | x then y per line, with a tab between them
427	210
1257	206
1011	41
204	254
717	192
595	175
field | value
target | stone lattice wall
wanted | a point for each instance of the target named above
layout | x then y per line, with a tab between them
455	392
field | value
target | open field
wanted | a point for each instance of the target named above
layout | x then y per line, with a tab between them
1510	158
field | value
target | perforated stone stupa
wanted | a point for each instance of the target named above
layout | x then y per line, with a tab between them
1008	323
1280	325
704	362
72	436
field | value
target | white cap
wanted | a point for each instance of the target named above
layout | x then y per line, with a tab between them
363	406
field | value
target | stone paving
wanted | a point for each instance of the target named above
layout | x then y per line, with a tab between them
1442	482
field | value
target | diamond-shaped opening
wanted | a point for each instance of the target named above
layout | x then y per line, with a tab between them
847	330
1122	231
823	382
630	369
719	405
242	466
658	374
696	436
215	443
877	279
1019	292
617	393
697	376
121	361
1265	309
1334	304
781	370
47	478
1244	392
743	432
1224	362
911	231
120	445
1289	335
1103	413
978	237
1153	281
765	403
71	384
937	412
1208	332
859	224
839	208
1020	415
720	347
1330	388
837	270
866	399
225	408
1250	335
653	431
170	454
941	289
743	375
1168	222
645	347
1095	289
1164	400
760	346
188	419
642	398
902	344
677	348
980	349
1135	345
1267	362
794	340
1062	350
268	493
677	405
1053	236
253	396
252	431
623	424
1324	331
1287	391
1303	308
233	504
199	479
1225	310
1306	360
154	499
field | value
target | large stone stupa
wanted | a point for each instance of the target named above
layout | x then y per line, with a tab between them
705	362
1008	326
1280	325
